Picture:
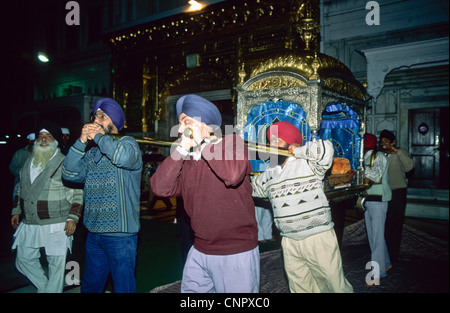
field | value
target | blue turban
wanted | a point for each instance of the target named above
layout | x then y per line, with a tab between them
197	107
112	109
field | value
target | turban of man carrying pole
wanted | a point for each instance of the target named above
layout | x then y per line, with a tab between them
112	109
285	131
200	109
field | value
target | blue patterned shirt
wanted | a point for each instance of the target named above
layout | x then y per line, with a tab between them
111	173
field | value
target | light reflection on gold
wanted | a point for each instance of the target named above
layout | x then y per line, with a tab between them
195	6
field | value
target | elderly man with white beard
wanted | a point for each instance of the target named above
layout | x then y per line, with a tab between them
50	213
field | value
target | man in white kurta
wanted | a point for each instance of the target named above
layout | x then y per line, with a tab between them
50	213
376	206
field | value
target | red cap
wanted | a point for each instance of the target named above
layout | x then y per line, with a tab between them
370	141
285	131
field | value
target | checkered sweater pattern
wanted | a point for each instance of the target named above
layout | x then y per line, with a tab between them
47	200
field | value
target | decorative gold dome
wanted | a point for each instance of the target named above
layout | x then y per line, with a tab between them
309	65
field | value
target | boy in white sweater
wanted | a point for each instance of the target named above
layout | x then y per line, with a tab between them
311	253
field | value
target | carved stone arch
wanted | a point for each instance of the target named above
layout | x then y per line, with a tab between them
383	60
358	63
332	51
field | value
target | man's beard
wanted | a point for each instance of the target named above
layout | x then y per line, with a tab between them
281	159
384	148
42	154
108	129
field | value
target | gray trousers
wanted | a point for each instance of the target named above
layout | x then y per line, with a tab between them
234	273
375	218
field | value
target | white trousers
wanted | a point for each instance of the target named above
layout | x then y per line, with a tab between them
28	263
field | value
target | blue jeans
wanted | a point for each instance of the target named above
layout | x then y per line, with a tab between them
110	254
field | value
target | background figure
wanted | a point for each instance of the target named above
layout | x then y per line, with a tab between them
51	212
65	140
111	173
154	160
18	160
264	219
153	199
376	204
400	162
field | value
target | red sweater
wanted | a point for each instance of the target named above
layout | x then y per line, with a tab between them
217	195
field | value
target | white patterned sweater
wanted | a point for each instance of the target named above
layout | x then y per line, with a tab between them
299	203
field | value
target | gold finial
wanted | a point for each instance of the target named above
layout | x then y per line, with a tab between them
308	29
365	84
315	65
242	74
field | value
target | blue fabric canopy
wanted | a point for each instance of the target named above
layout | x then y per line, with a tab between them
340	124
263	115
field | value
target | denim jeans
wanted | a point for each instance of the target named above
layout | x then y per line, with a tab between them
110	254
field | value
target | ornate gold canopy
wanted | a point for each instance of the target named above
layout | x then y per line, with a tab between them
309	66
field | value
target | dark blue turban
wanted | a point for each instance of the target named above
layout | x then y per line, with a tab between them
112	109
197	107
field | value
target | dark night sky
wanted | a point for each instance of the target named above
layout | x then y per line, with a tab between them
18	59
18	55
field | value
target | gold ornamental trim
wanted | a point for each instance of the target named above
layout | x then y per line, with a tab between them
344	87
276	82
311	65
290	62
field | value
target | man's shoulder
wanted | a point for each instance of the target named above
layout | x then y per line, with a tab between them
128	139
59	157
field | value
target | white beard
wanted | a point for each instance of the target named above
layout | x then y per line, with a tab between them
42	154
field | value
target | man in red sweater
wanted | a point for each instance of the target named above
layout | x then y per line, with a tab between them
212	176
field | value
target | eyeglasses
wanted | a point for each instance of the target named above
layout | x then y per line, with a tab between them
101	116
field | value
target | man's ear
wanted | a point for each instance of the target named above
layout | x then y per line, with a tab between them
114	130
